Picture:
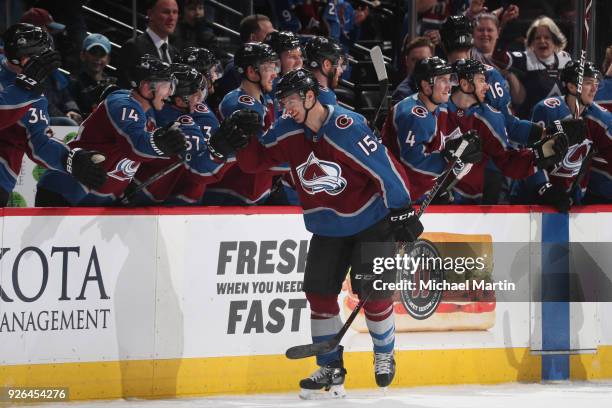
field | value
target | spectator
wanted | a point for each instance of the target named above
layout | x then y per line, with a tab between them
92	80
486	34
163	16
63	110
412	52
538	67
192	30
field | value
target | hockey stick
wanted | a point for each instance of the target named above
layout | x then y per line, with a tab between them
313	349
383	81
587	160
125	199
583	52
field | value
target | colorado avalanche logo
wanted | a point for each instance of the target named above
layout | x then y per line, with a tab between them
343	121
552	102
185	120
570	166
124	170
200	107
419	111
320	176
247	100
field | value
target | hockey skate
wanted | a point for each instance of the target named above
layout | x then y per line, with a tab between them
384	368
326	382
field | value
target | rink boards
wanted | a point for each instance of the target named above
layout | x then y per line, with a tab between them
161	302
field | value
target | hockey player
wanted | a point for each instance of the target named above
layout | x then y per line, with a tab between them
205	62
467	110
411	131
353	192
258	65
287	46
554	186
30	59
31	133
326	60
122	128
184	185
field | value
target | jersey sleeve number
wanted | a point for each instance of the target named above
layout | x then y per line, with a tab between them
132	115
368	145
496	90
36	115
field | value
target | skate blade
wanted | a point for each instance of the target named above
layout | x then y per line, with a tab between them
335	391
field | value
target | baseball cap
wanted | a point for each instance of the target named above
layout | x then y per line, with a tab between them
41	17
96	40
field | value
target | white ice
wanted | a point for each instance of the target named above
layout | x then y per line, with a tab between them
558	395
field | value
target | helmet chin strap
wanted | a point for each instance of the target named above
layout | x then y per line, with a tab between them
150	100
473	93
307	110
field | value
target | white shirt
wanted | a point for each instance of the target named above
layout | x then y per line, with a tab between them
158	41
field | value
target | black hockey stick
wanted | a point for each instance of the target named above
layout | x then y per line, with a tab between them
583	52
383	81
125	199
313	349
586	163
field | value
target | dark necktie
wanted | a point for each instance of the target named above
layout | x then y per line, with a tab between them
164	52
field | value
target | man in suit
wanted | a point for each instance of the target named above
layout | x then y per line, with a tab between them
162	16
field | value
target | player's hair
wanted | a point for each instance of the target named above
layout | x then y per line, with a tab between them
417	42
558	37
250	25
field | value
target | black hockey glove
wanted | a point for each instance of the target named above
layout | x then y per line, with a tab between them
405	225
549	194
472	152
234	133
550	150
168	140
37	70
85	166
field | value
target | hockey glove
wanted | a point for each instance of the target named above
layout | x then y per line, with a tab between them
248	121
574	129
405	225
234	133
472	152
37	70
550	150
168	140
85	166
549	194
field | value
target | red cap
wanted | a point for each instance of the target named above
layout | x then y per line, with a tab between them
41	17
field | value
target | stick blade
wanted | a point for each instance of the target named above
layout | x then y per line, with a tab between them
379	63
310	350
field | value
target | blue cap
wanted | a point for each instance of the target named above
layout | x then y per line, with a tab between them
93	40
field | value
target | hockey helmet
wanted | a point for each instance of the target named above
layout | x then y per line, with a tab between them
24	40
149	68
297	81
571	72
456	33
428	68
189	80
282	41
253	54
318	49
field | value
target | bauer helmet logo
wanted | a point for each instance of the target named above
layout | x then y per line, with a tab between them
21	41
